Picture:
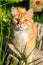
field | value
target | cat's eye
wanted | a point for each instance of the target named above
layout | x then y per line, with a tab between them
17	19
26	20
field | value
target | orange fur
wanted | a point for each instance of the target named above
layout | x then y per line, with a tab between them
29	34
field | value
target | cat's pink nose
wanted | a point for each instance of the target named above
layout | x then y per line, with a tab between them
20	24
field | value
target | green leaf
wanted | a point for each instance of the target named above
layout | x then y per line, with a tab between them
13	1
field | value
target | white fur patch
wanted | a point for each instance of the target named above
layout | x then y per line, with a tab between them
21	36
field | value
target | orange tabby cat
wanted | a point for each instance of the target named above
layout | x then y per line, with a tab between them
24	31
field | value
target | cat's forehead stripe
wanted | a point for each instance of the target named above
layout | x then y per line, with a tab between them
23	15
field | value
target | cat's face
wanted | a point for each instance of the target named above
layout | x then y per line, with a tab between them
22	18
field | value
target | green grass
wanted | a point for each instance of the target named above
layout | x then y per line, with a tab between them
38	18
5	20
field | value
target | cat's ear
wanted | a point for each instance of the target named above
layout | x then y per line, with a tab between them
13	11
30	12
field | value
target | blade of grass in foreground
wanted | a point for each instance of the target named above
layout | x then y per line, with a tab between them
39	62
1	34
30	53
34	61
1	40
2	53
3	57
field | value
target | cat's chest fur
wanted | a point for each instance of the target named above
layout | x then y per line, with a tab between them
21	36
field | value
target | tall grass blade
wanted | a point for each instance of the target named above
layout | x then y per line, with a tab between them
30	53
34	60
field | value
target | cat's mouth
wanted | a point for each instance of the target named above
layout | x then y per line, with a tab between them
22	27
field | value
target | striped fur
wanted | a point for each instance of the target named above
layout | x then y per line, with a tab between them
39	35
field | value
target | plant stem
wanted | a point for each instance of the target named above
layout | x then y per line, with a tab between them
5	4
